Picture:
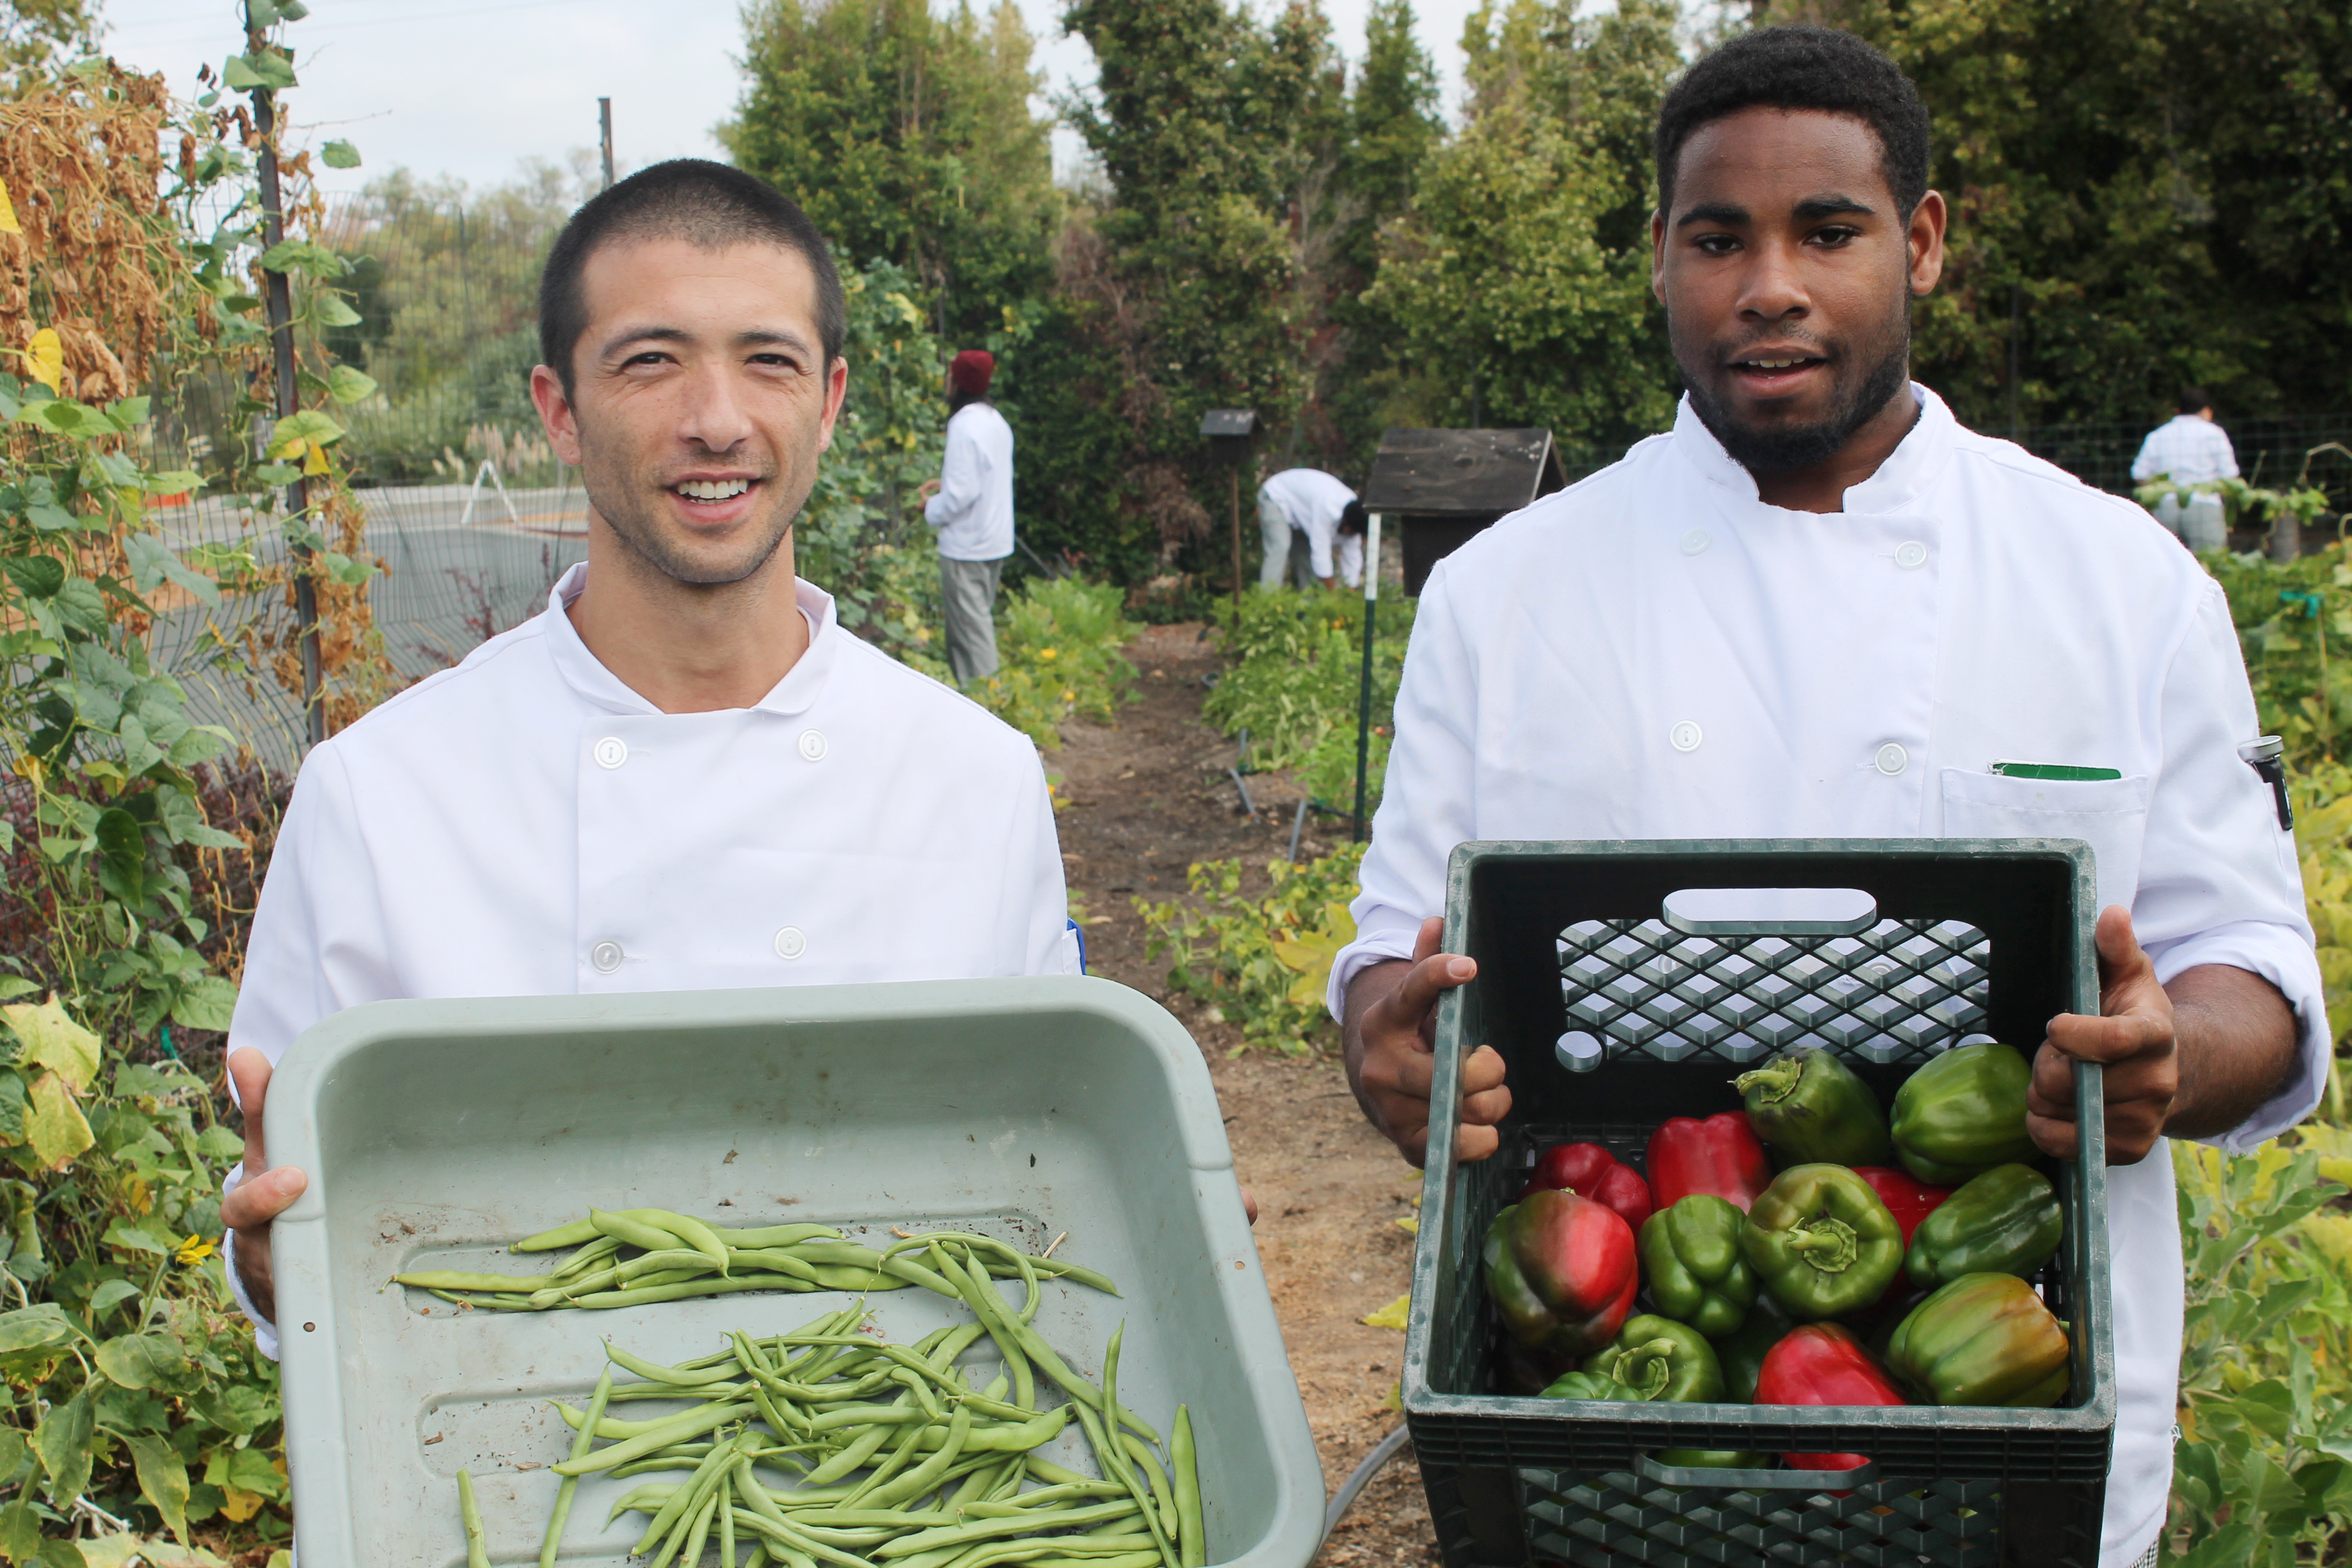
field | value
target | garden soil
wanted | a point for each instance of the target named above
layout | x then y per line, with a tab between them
1147	798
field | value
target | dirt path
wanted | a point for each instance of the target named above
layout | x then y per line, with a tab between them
1148	797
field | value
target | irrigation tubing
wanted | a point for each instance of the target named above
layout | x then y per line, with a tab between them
1344	1498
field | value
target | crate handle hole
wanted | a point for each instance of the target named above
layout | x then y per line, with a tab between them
1578	1052
1770	912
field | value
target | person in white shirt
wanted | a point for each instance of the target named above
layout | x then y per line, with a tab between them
1312	526
971	505
2190	448
686	775
1819	607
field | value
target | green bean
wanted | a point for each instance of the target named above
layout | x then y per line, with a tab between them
454	1279
686	1544
1192	1534
637	1233
638	1295
469	1513
853	1457
1028	1503
678	1429
503	1303
571	1484
759	1557
1034	1346
889	1467
996	1529
640	1499
727	1521
586	1258
693	1232
775	1235
576	1233
679	1510
775	1259
1008	1341
1147	1465
766	1517
920	1480
1055	1475
655	1373
1075	1273
1111	1452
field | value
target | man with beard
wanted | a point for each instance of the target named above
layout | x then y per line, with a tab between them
686	775
1819	608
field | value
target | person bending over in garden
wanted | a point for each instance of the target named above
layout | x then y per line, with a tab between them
1312	526
1819	607
686	775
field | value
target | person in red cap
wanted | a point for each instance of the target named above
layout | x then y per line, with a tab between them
971	505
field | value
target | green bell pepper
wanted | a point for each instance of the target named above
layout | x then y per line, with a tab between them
1984	1338
1963	1113
1692	1262
1713	1458
1742	1352
2006	1221
1658	1358
1822	1242
1811	1110
1589	1386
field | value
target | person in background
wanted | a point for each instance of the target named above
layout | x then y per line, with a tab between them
2189	450
1304	517
971	505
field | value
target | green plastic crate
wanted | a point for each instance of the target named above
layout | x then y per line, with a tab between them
435	1133
1957	939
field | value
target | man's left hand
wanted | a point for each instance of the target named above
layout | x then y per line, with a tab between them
2132	1038
927	490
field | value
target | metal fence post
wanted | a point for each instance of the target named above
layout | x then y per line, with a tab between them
1364	699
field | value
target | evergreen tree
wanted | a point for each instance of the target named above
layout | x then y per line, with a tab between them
908	137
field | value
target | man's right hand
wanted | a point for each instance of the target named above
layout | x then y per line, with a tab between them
261	1197
1390	1035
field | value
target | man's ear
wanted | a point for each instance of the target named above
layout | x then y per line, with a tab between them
836	388
1658	254
556	416
1926	243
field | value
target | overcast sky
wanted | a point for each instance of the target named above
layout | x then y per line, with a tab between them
472	91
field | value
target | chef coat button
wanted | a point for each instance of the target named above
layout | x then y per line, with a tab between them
612	752
1695	540
1910	555
813	747
1893	759
1684	736
605	956
790	942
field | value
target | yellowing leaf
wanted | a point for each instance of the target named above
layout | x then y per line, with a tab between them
240	1504
2332	1233
54	1125
1392	1316
47	357
8	224
53	1040
2334	1146
1409	1224
1310	956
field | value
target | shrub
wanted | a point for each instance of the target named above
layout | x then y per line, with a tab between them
1262	960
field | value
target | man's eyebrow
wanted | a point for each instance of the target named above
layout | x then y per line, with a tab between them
752	337
1730	214
780	337
1813	208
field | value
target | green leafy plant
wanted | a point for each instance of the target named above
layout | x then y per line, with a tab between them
1060	650
1298	678
1261	959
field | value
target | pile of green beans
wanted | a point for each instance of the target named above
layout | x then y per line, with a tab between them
831	1446
628	1258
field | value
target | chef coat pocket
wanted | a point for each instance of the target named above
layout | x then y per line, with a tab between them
2109	814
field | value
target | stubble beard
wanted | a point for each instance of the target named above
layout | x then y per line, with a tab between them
1786	449
616	501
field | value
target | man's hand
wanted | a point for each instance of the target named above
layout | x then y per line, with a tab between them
1391	1034
264	1194
927	490
2193	1058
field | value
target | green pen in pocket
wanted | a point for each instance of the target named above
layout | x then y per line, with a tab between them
2062	771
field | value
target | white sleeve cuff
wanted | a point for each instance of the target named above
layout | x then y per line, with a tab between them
2283	956
265	1336
1377	944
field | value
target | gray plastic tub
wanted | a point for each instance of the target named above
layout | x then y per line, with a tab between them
435	1133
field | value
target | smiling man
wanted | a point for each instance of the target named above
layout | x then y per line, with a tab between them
685	775
1819	608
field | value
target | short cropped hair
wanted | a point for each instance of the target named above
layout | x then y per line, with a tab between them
709	206
1802	67
2194	400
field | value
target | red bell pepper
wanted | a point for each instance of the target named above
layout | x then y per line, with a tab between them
1823	1364
1721	1156
1909	1200
1592	1171
1562	1271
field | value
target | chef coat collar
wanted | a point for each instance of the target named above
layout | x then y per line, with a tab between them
580	670
1901	483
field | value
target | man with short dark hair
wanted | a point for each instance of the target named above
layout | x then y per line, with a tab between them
1820	608
685	775
2189	450
971	507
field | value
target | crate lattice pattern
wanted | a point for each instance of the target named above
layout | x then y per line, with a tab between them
1611	1519
1895	994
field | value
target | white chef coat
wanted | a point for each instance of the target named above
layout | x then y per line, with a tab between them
973	508
1313	500
2191	448
525	824
1657	654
